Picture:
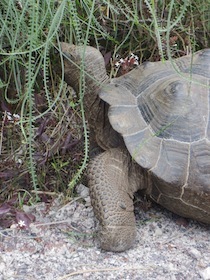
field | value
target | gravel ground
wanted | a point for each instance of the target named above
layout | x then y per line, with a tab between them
61	244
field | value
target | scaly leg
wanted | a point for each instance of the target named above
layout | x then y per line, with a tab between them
111	195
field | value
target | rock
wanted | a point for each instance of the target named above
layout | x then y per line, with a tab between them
205	274
195	253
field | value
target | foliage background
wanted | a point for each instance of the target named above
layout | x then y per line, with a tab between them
43	128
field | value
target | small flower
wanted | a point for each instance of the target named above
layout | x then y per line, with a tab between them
21	224
117	64
136	62
12	118
124	65
9	116
16	117
132	55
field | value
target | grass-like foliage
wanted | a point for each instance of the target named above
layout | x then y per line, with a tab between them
40	123
29	31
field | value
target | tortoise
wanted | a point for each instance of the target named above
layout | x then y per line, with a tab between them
153	124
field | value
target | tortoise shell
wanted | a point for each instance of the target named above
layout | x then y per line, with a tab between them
162	110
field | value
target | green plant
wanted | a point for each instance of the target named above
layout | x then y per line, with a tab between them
30	33
29	30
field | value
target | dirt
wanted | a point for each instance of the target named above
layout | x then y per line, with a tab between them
62	244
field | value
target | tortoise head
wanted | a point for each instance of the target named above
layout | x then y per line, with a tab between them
91	61
79	60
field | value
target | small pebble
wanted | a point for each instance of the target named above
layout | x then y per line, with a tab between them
205	274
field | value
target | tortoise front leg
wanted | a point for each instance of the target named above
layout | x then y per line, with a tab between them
112	199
